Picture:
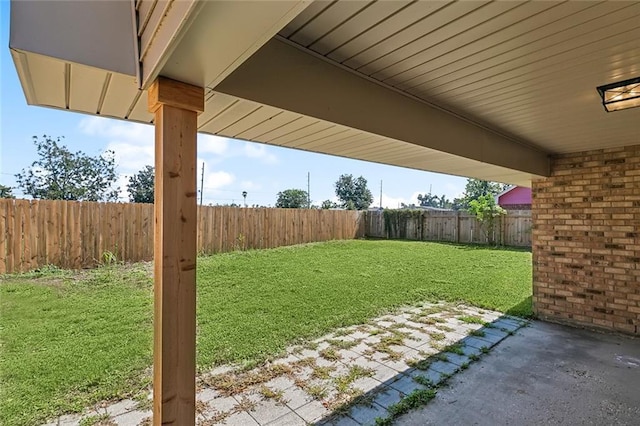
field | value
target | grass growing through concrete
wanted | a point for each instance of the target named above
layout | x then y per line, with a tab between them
70	339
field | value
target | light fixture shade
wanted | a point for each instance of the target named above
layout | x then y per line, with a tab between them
620	95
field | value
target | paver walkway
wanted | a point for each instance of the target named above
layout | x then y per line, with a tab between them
349	377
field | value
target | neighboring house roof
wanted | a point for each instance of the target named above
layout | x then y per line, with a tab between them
514	195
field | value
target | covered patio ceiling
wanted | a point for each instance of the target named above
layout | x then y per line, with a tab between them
480	89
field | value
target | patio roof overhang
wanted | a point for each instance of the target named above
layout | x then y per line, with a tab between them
480	89
486	90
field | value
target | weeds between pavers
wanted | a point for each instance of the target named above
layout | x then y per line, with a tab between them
445	328
229	384
201	407
343	344
437	336
422	364
414	400
420	397
426	320
330	354
322	373
354	373
275	395
477	333
456	348
98	420
244	404
471	319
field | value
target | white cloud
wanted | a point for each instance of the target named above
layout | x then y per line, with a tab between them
132	143
454	191
217	180
389	202
248	185
131	157
121	183
208	144
258	151
111	128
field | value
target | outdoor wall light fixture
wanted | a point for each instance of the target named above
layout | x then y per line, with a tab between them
620	95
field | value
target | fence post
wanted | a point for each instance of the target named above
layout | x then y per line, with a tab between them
458	226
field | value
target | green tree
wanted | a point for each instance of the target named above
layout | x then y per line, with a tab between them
6	192
328	204
140	187
353	193
429	200
60	174
292	199
477	187
474	189
485	209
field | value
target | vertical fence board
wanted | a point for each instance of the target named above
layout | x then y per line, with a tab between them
513	229
4	208
78	234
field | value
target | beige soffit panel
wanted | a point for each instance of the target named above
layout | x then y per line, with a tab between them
223	34
85	93
506	36
120	94
260	115
94	33
43	79
279	75
167	24
526	69
264	124
139	110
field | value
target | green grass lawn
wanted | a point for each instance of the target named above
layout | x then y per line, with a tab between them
69	339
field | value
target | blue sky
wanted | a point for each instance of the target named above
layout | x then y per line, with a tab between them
231	166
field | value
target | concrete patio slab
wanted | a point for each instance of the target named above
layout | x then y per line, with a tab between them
545	374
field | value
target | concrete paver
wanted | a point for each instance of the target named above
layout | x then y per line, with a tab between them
312	412
367	414
444	367
456	359
241	418
475	342
132	417
406	385
295	397
290	419
387	396
435	377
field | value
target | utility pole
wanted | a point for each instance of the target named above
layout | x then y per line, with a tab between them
381	194
202	184
308	190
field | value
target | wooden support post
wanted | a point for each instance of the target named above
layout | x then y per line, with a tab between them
176	106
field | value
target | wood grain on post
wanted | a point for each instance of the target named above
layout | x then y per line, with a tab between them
176	106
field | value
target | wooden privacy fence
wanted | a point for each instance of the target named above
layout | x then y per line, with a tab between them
71	234
512	229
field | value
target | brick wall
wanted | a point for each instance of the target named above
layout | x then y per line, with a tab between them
586	240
